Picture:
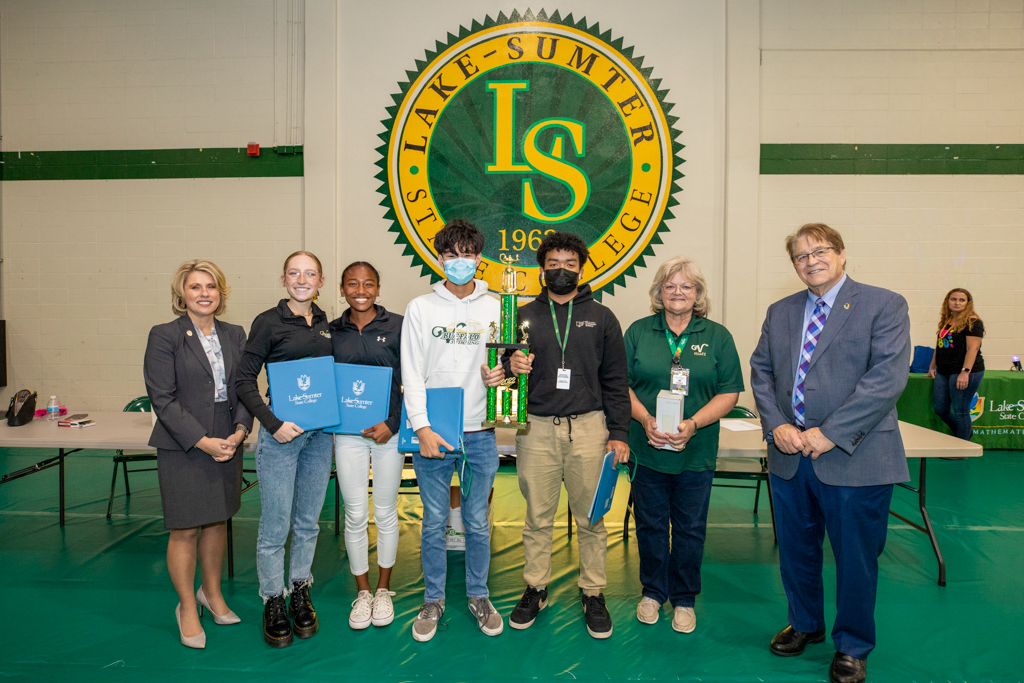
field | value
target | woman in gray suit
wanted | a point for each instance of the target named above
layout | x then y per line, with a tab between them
189	368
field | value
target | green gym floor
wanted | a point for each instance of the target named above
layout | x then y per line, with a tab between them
92	601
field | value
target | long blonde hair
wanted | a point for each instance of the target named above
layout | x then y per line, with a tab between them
957	321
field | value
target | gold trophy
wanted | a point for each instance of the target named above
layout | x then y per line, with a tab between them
506	404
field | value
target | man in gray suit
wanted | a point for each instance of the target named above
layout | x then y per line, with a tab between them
828	369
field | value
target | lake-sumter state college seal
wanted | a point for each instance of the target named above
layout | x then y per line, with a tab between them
525	125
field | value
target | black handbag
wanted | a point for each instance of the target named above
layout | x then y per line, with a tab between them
22	408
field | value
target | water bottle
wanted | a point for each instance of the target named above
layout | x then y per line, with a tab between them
53	409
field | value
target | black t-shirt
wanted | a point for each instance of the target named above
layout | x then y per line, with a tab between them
951	349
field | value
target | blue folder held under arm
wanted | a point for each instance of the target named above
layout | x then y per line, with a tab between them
304	392
605	489
364	396
444	410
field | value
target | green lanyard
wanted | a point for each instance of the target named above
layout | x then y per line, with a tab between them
568	326
676	349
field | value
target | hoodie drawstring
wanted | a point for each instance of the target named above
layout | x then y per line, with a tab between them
557	421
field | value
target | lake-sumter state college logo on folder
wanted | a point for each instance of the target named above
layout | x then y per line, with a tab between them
524	125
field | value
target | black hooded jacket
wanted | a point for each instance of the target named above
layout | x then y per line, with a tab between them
594	353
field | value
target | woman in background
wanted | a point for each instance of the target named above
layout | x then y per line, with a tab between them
293	465
369	334
189	369
957	365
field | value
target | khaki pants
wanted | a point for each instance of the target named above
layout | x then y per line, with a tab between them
545	457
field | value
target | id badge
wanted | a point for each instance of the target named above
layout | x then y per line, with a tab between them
563	379
680	381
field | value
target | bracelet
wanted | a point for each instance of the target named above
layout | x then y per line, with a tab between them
244	430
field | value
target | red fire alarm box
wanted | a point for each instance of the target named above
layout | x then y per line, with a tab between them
253	149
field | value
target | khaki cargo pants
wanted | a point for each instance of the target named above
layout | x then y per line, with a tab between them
552	450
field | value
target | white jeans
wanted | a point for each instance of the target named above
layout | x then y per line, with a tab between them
353	454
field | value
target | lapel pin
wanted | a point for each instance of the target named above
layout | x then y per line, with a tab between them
846	306
189	332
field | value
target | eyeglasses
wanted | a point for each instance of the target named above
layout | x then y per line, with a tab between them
683	289
294	274
818	254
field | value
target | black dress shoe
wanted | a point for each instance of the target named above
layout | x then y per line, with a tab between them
300	609
789	642
847	669
277	630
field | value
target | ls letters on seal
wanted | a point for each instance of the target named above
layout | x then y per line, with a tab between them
525	125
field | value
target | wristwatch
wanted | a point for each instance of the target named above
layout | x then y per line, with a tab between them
241	427
967	370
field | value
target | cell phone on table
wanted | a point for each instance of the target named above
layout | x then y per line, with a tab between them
79	416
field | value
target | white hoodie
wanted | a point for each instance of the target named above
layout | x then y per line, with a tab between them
443	340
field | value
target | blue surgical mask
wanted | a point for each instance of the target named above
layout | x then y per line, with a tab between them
459	271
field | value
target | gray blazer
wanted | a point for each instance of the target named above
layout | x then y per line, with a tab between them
858	370
179	381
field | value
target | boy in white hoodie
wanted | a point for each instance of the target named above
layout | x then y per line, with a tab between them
443	345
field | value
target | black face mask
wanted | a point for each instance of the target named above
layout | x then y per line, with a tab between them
561	281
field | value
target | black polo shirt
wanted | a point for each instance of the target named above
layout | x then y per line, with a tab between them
378	343
278	335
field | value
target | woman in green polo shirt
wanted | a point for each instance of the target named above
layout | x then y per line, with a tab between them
676	346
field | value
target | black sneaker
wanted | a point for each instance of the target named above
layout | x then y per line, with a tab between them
277	630
532	602
301	610
599	622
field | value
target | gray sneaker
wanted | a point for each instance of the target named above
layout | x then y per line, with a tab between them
487	618
425	626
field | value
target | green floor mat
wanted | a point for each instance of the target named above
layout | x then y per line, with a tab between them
92	601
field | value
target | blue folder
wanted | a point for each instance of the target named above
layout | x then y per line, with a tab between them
444	410
364	396
304	392
605	489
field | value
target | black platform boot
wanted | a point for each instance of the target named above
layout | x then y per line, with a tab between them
277	630
301	610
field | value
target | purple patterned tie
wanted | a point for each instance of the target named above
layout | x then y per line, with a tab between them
810	341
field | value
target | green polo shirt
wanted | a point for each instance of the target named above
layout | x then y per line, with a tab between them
714	365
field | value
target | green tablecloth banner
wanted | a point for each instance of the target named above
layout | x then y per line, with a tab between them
997	410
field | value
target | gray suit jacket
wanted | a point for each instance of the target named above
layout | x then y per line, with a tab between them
179	381
858	370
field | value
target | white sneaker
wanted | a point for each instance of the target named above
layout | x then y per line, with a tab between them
383	609
648	611
684	620
362	609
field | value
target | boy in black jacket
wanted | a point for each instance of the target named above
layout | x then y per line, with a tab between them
579	410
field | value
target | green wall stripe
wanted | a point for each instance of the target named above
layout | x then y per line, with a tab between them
892	159
134	164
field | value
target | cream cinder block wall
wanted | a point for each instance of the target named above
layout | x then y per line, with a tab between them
917	235
901	73
139	74
87	263
685	46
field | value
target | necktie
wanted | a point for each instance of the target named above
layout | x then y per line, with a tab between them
811	335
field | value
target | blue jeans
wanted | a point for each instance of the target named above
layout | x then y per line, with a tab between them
945	396
434	476
856	518
671	573
293	482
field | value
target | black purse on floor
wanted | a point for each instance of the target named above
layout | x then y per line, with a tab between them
22	408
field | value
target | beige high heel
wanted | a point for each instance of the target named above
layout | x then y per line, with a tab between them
223	620
197	642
